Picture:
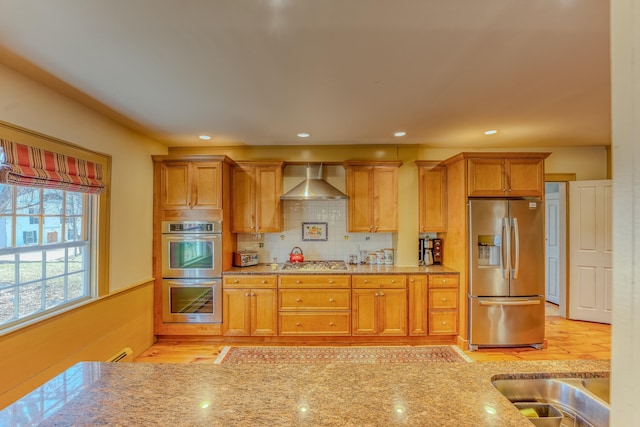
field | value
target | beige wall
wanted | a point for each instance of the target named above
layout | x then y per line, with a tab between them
27	104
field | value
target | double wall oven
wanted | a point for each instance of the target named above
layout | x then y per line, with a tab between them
192	271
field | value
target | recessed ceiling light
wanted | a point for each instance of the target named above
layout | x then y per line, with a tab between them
491	132
204	137
399	134
304	135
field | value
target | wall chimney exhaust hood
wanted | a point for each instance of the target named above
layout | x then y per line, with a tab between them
314	189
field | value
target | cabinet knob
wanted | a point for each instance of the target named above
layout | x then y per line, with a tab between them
298	282
412	280
297	323
444	281
264	281
444	299
393	281
381	294
330	299
366	281
246	295
235	281
330	281
444	323
330	323
298	300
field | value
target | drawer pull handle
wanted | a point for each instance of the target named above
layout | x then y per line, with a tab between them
330	323
264	281
235	281
331	300
444	299
298	300
444	323
298	282
393	281
297	323
366	281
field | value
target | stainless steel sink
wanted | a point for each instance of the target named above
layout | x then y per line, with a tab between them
582	401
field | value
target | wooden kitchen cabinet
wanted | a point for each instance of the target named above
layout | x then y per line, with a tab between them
379	305
372	188
257	187
443	304
191	185
249	306
506	176
432	197
314	305
418	305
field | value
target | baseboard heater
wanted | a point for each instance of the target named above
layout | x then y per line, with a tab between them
119	356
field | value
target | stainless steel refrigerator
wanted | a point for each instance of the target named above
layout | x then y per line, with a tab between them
507	273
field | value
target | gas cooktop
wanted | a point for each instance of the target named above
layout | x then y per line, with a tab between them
315	265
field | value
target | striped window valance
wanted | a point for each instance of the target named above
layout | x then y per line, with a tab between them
34	167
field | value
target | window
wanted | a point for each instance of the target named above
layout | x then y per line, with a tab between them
45	264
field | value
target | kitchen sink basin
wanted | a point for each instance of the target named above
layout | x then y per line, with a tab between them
582	401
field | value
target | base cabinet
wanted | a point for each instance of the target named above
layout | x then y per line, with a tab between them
443	304
379	305
249	306
418	305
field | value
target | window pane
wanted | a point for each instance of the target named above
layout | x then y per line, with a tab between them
52	230
75	259
75	203
26	233
7	303
53	201
30	266
7	270
6	199
28	200
54	292
6	226
30	299
75	286
73	229
55	263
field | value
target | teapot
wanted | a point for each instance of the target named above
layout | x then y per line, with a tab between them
296	255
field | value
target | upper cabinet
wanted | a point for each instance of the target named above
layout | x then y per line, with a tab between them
432	197
506	174
257	187
190	184
372	188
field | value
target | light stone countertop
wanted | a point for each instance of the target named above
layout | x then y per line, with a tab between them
353	269
413	394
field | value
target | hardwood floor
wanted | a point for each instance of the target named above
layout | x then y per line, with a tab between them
566	339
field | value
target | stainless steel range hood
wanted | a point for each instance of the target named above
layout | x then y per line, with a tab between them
314	189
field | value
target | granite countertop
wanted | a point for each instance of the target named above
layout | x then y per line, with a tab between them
353	269
417	394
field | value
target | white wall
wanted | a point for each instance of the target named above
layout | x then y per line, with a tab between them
28	104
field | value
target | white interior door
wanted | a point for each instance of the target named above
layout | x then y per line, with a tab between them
590	226
554	221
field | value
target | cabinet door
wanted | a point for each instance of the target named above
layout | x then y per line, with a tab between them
432	199
360	190
385	199
525	177
236	312
393	312
267	192
418	305
243	197
364	312
487	178
264	312
175	185
206	185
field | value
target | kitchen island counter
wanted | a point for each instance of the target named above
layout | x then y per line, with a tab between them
417	394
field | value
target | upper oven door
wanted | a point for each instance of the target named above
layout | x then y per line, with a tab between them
191	256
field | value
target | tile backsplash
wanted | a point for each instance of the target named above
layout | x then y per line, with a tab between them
338	246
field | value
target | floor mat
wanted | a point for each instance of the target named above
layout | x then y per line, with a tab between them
309	355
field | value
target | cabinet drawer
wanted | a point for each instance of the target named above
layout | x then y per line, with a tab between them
253	281
443	298
443	322
379	281
315	323
444	280
314	281
315	299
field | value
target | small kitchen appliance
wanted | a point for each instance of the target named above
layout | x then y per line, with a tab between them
245	258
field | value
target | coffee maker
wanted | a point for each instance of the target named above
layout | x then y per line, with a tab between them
430	251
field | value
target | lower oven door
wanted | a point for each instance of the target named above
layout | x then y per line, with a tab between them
192	300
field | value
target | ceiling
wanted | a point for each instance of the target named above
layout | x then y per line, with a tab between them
258	72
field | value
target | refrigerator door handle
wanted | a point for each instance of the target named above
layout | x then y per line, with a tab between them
516	240
521	302
505	255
